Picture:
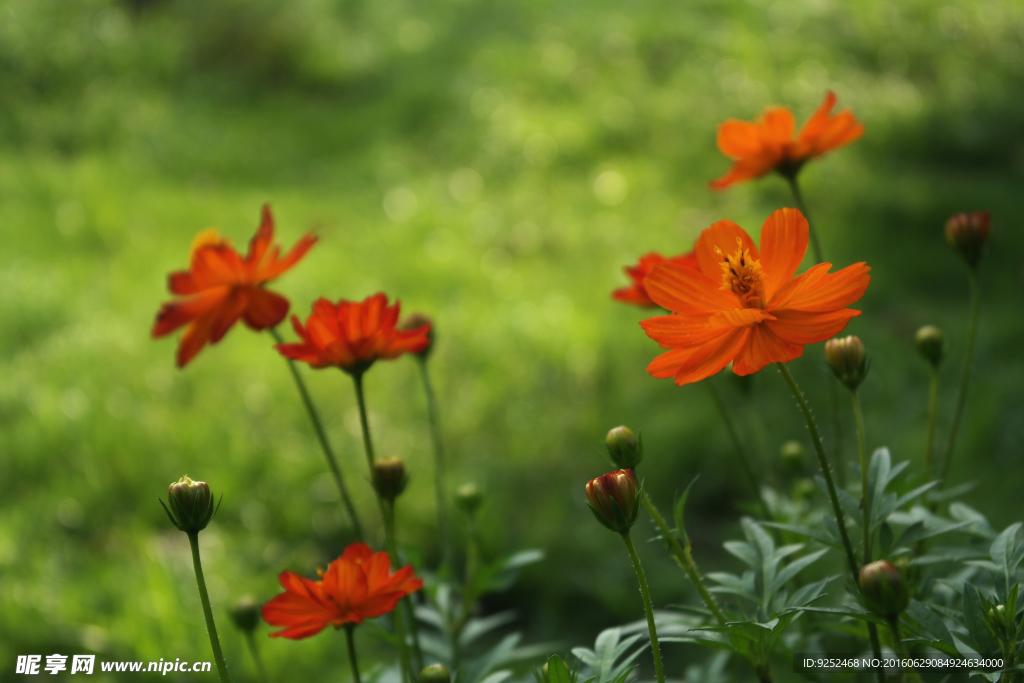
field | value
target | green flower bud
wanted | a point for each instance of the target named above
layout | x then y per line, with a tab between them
793	454
930	344
389	478
804	489
246	614
968	233
882	587
435	673
614	500
624	448
190	505
848	360
468	498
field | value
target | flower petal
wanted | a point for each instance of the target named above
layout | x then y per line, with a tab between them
783	245
696	363
764	347
265	309
832	291
686	290
801	327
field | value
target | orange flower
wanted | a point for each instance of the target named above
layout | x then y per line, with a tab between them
746	306
768	144
352	335
636	294
358	585
221	287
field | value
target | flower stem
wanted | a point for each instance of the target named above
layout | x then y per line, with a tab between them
820	450
659	671
439	463
865	493
901	649
738	445
933	409
837	422
684	558
350	642
965	377
357	378
211	628
251	642
392	547
321	436
472	559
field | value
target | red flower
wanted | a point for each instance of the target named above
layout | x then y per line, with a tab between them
747	306
358	585
768	143
636	294
221	287
352	335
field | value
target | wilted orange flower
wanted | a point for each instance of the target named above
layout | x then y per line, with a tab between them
636	294
221	287
768	143
352	335
744	305
358	585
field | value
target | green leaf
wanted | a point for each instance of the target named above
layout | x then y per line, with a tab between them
557	673
816	534
846	612
977	524
680	509
1003	549
929	621
745	552
976	621
885	538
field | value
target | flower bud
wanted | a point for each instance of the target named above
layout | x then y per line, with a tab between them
435	673
190	505
793	454
804	489
930	344
624	448
848	360
614	501
468	498
389	478
881	585
246	614
968	232
414	320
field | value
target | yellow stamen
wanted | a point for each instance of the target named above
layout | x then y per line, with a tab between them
206	238
742	276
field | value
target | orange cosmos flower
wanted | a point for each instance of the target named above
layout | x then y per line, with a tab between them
636	294
221	287
352	335
744	305
768	144
358	585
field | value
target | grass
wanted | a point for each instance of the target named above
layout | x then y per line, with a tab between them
492	164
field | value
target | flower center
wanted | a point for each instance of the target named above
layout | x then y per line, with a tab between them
742	276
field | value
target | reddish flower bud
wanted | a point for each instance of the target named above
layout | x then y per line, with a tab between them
191	505
884	591
848	360
614	501
968	233
930	344
624	448
389	478
415	321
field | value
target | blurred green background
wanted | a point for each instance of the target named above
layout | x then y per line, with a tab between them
493	164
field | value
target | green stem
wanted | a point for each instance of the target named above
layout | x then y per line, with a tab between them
472	558
837	433
392	547
439	463
965	377
865	493
738	445
357	378
251	641
798	197
684	558
321	436
211	628
933	409
820	450
350	642
659	671
901	649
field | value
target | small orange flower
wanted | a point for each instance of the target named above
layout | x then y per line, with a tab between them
636	294
358	585
747	306
768	144
222	287
352	335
